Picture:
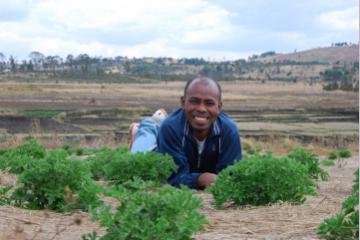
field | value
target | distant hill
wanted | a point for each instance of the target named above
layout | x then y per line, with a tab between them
334	65
332	55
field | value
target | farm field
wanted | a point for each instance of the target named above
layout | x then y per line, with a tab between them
84	113
272	116
278	221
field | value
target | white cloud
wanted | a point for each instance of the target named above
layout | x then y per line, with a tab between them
347	19
175	28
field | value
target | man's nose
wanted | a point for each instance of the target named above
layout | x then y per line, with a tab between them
201	107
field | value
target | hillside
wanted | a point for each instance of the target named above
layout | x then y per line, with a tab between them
335	54
340	63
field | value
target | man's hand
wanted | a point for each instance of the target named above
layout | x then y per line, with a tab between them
206	179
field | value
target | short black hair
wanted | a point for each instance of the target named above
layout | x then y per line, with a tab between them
203	79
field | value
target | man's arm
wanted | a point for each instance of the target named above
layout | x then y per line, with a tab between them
171	143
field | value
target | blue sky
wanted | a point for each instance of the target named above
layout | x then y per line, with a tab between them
213	30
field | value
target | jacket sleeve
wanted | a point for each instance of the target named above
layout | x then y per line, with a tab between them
230	149
171	143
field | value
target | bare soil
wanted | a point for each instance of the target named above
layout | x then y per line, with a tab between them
299	109
278	221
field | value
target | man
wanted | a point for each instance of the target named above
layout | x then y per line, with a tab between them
201	139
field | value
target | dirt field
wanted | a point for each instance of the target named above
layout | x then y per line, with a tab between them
87	111
272	116
279	221
237	95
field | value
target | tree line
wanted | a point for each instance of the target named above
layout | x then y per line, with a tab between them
123	69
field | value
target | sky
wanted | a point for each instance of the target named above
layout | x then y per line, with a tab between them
214	30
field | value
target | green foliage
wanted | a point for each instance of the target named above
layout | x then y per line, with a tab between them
55	182
310	161
89	236
333	155
344	225
344	153
3	151
335	74
166	213
102	158
261	180
71	150
328	163
3	192
17	159
250	150
40	113
119	166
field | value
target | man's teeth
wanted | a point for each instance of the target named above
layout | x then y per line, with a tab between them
200	119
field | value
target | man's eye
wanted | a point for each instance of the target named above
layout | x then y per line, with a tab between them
209	103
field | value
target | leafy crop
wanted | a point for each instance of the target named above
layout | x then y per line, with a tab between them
328	163
17	159
310	161
261	180
250	150
165	213
333	155
55	182
101	159
89	236
344	225
78	151
119	166
344	153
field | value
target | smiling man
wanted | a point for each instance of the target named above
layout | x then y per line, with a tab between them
201	139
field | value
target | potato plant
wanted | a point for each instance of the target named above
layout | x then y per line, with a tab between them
164	213
17	159
263	179
345	224
344	153
333	155
310	161
119	166
57	183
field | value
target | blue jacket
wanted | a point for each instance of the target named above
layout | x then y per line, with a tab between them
222	147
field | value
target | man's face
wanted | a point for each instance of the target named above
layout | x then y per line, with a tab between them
202	106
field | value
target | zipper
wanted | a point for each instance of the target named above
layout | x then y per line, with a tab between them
199	159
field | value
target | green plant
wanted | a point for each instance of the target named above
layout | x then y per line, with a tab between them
3	191
250	150
344	225
333	155
89	236
119	166
344	153
261	180
311	161
17	159
56	182
328	163
164	213
40	113
71	150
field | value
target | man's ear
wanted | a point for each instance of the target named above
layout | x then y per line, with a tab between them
182	101
220	106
